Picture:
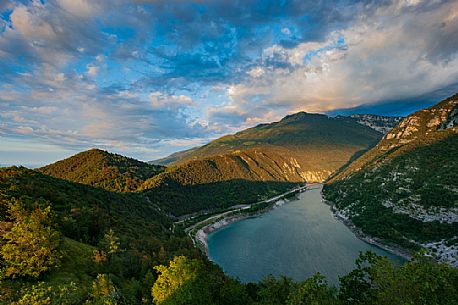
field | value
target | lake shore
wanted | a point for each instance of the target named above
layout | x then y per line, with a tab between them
201	236
398	251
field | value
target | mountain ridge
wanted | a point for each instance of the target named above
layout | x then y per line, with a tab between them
380	124
404	189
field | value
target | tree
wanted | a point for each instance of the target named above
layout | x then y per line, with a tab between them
273	291
181	283
357	286
103	291
42	294
313	291
31	246
109	245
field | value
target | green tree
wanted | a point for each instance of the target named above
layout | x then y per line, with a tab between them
110	243
421	281
42	294
31	246
313	291
356	287
103	291
181	283
274	292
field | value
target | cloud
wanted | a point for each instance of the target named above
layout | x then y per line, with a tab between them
144	76
400	51
92	70
175	102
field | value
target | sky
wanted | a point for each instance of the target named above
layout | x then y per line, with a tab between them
146	78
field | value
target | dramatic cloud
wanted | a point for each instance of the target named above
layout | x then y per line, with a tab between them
146	78
398	52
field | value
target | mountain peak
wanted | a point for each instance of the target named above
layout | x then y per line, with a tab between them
303	116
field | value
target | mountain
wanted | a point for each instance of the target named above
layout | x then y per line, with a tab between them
121	247
173	157
102	169
302	146
405	189
84	213
265	160
217	182
380	123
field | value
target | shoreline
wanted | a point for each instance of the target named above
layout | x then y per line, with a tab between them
200	238
201	235
395	250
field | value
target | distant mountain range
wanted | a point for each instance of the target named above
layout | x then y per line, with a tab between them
405	189
266	159
380	123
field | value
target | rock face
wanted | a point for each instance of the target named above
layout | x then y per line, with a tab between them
405	189
382	124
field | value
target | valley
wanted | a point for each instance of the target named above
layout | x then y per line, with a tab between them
251	203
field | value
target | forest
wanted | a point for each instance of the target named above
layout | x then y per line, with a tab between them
68	243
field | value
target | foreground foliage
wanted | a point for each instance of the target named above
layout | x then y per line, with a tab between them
375	280
30	246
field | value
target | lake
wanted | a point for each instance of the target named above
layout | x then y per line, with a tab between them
296	239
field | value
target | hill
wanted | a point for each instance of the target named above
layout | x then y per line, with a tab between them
83	216
404	190
262	161
311	145
102	169
218	182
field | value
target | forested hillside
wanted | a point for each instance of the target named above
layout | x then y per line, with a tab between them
261	161
103	169
404	190
195	186
96	232
219	182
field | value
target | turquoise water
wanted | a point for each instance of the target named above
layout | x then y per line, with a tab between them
297	239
